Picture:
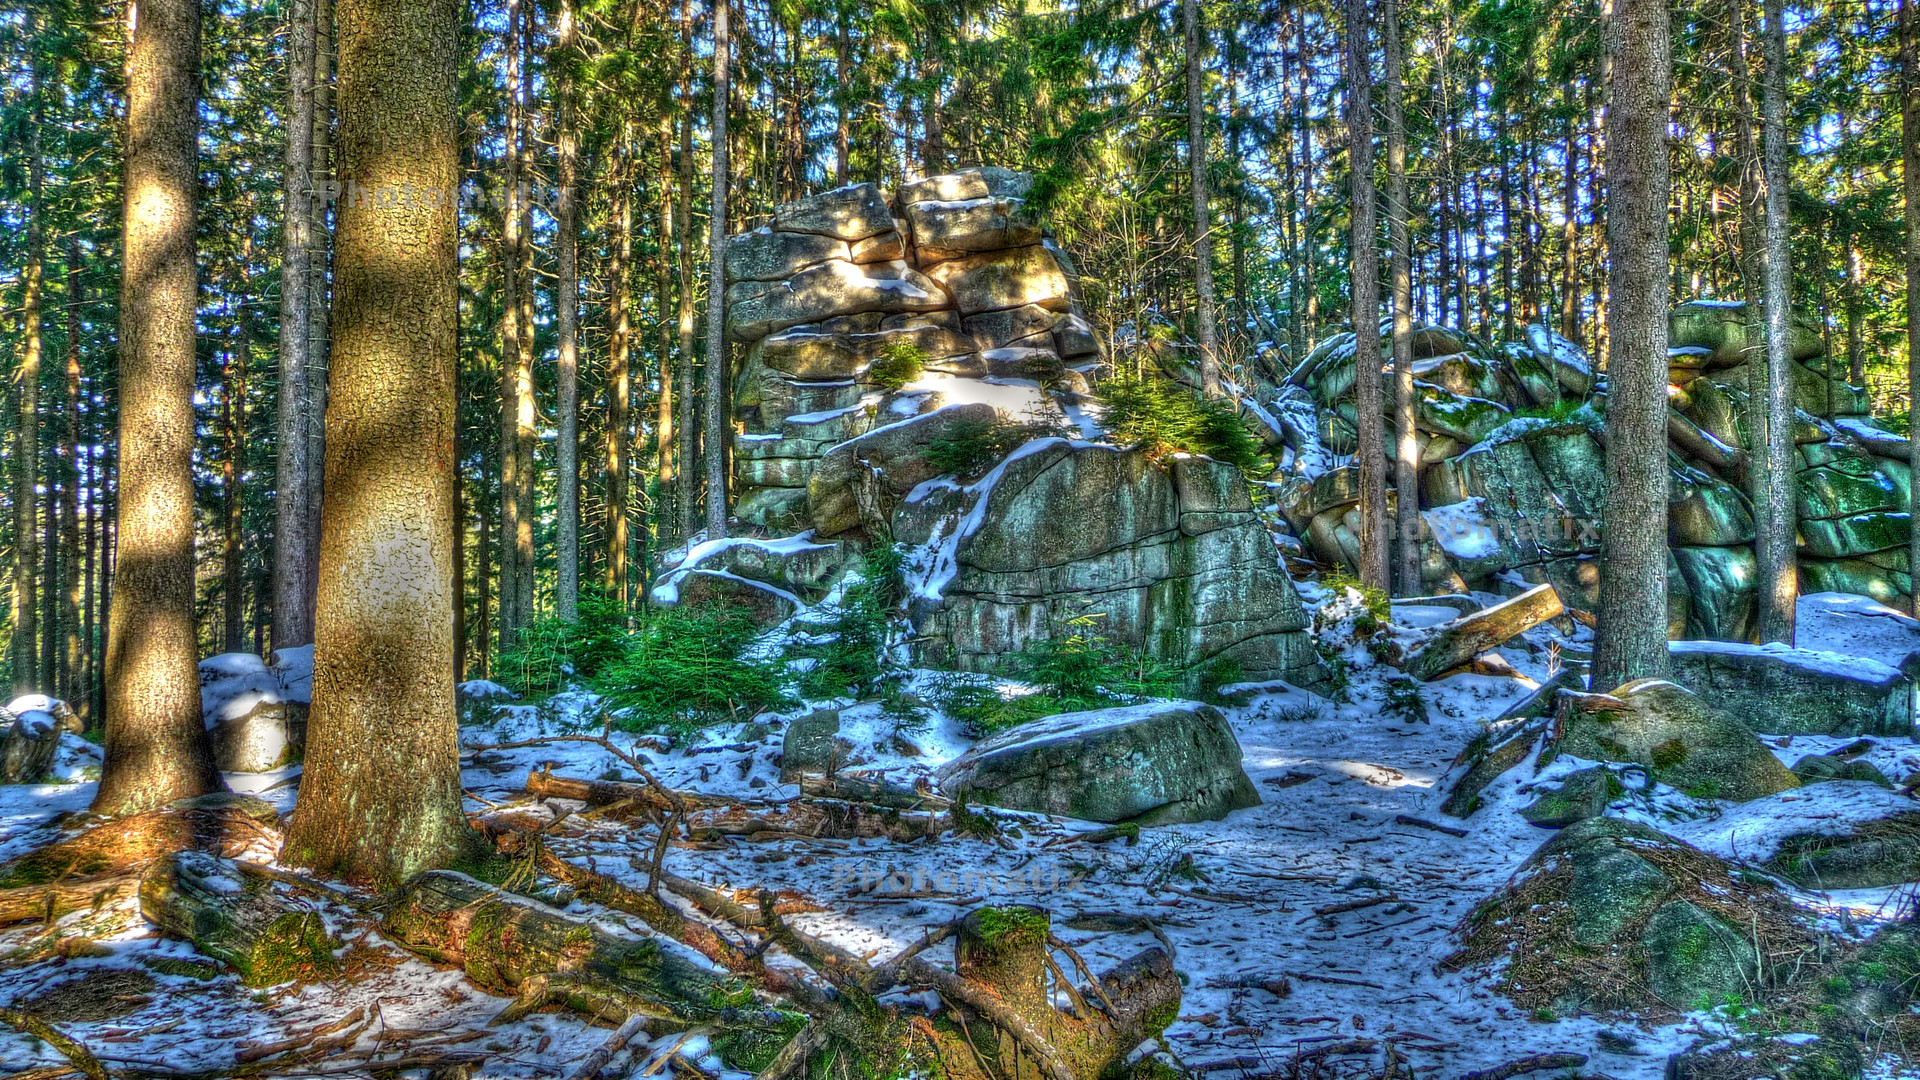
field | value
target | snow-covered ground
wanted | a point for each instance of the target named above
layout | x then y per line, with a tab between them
1265	975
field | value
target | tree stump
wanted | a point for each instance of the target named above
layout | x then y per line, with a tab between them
239	915
1009	952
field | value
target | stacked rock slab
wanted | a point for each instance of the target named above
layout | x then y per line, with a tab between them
1513	475
954	266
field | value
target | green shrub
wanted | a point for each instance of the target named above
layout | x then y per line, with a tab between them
1161	414
549	653
687	669
855	663
1074	670
897	365
971	447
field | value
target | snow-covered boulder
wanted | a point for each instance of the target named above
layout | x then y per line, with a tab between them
1613	915
1154	764
1779	690
32	728
256	710
1682	741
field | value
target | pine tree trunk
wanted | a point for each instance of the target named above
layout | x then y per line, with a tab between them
1632	615
233	417
688	486
294	546
1406	462
510	334
716	433
156	747
26	432
526	414
566	245
1779	583
381	796
619	379
1910	171
1202	209
73	682
1369	394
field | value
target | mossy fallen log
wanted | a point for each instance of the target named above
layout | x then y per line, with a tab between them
505	942
241	915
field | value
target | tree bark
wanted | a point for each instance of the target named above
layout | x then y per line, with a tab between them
687	486
619	378
566	246
1406	461
716	433
511	332
26	432
294	546
1910	170
1470	635
235	913
1632	615
73	680
1779	580
156	747
233	470
381	796
1205	331
1369	394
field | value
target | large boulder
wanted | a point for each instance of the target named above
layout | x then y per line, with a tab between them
765	255
1152	764
948	229
1677	736
1003	279
815	351
1779	690
266	735
758	308
1170	556
855	212
1612	915
1719	331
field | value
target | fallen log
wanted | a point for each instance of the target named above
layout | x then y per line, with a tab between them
504	941
47	903
1470	635
542	784
874	792
240	916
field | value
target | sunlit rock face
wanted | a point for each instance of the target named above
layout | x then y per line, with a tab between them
953	271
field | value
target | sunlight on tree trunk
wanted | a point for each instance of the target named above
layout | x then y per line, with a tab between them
1369	396
156	747
380	799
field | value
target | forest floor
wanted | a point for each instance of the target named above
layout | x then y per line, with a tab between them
1267	977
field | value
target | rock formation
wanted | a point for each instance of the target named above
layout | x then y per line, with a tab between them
1512	468
917	370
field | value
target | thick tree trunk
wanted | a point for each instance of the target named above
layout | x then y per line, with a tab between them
1779	580
1910	170
1369	395
526	406
156	746
294	546
1632	620
1208	336
566	246
509	944
1406	458
716	433
380	799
